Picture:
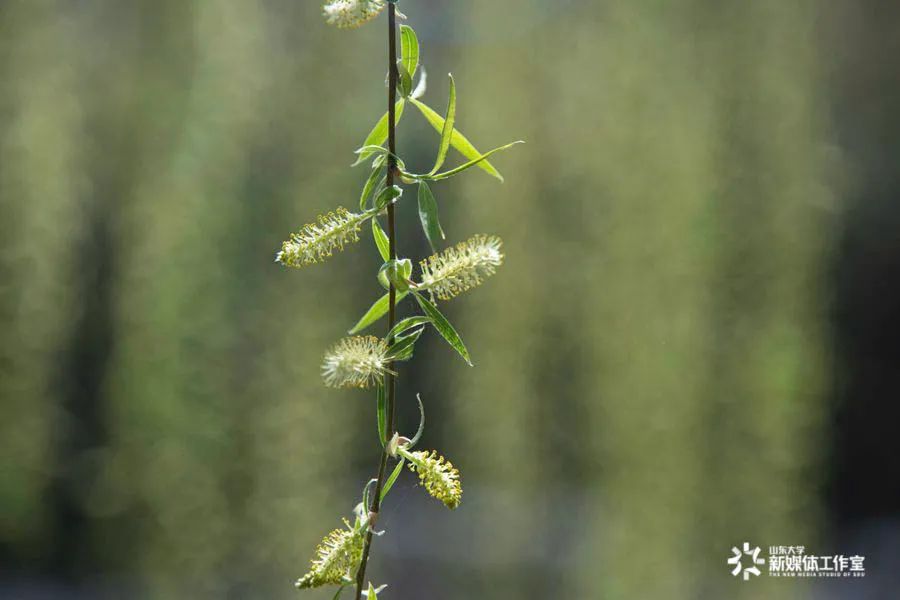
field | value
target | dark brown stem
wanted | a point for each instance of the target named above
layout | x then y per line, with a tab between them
390	383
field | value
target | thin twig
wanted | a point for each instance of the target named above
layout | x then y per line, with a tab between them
375	504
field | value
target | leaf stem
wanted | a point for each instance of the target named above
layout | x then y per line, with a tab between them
390	382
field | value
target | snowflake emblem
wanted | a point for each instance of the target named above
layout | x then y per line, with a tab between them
738	561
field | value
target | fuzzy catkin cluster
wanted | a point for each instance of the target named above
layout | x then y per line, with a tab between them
317	241
439	476
357	361
349	14
336	557
462	267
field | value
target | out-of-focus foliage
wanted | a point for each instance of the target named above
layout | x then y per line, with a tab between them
671	292
649	363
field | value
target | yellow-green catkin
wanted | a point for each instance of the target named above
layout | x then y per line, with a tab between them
317	241
357	361
462	267
337	556
438	475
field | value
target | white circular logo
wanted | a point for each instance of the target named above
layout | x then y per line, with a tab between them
750	556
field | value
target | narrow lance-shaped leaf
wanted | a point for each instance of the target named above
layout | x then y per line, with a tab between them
378	310
381	409
428	215
415	439
402	348
367	493
389	483
379	133
407	323
409	49
447	131
444	327
458	141
376	179
371	150
471	163
372	592
381	240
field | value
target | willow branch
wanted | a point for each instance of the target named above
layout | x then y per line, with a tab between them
375	504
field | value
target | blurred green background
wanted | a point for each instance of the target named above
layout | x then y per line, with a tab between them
660	372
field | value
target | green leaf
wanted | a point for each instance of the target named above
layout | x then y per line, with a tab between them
383	276
447	130
382	414
381	240
378	310
404	268
402	348
404	80
387	196
379	133
415	439
372	184
371	593
443	327
471	163
338	593
428	215
371	150
365	494
409	49
458	141
407	323
392	478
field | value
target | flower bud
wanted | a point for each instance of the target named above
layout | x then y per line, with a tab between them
398	272
393	445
